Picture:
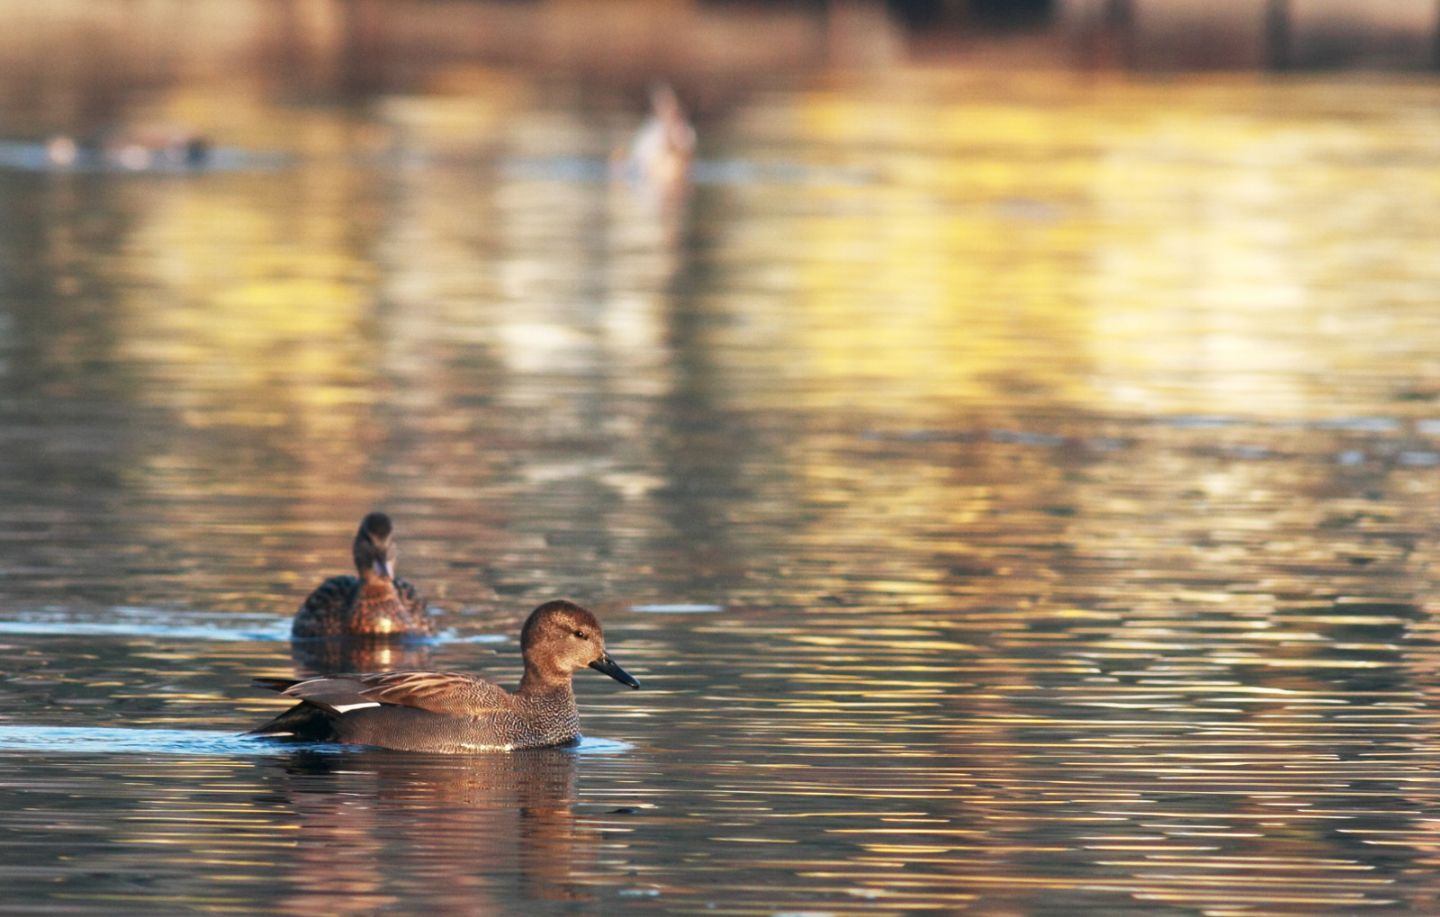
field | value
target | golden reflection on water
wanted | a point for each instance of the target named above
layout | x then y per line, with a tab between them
1059	454
513	813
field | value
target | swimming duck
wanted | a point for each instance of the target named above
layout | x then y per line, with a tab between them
665	144
137	150
454	711
374	604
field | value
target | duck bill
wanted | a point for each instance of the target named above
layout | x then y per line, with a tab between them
607	665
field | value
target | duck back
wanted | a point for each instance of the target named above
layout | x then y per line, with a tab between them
520	722
341	606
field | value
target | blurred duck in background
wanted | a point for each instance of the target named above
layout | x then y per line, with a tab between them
664	147
374	604
137	150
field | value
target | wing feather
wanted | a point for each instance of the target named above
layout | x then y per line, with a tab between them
454	693
450	693
323	613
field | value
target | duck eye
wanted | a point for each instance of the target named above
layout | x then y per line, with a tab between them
582	635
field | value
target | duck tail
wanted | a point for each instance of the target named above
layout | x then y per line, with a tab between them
302	722
280	685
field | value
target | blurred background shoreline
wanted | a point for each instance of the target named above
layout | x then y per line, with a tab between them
66	60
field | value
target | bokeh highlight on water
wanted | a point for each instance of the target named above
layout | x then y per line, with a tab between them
1015	493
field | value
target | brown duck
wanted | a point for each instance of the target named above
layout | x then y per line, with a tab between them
453	711
374	604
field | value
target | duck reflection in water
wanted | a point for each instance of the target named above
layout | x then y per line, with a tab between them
358	654
454	711
369	823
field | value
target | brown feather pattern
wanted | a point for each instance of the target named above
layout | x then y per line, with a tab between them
373	604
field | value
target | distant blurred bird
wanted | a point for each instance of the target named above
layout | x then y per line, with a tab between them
374	604
147	148
664	146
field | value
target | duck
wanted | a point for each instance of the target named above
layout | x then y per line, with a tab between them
155	147
456	711
374	604
664	145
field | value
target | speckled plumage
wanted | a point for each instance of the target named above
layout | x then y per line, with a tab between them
454	711
373	604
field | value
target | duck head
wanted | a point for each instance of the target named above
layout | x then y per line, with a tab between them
560	638
374	549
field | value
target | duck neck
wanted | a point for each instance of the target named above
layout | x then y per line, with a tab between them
373	584
547	704
538	680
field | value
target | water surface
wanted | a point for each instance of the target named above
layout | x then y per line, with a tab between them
1014	494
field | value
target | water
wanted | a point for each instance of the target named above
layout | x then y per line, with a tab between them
1015	492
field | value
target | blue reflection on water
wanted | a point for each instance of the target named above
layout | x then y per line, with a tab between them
679	608
702	172
91	739
135	629
38	157
189	625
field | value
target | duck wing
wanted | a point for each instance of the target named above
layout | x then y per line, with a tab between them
323	612
409	595
448	693
415	604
